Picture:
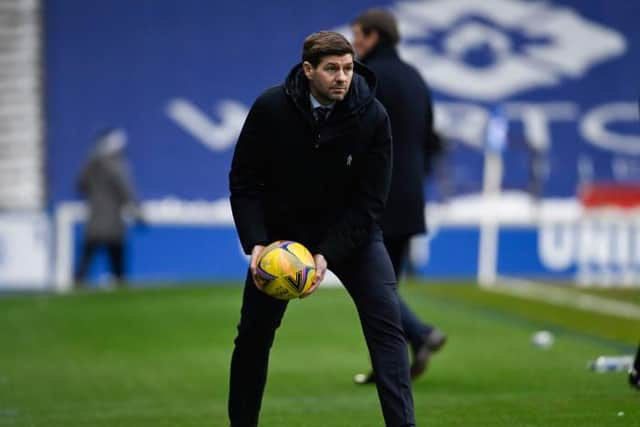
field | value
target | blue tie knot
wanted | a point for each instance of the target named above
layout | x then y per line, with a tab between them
321	113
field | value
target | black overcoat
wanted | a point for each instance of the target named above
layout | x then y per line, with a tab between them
407	100
326	186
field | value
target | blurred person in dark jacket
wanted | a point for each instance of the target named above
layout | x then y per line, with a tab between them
407	99
106	184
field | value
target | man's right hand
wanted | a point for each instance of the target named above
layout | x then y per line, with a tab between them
255	254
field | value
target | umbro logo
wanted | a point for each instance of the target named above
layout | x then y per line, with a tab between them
492	49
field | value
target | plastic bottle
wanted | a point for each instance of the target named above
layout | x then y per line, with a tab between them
611	364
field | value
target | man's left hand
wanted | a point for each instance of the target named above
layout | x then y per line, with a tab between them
321	269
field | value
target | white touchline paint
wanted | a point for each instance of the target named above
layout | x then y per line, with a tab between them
562	297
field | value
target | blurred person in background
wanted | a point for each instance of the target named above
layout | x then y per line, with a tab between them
416	145
106	184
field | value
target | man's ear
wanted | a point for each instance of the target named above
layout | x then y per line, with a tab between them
308	69
374	37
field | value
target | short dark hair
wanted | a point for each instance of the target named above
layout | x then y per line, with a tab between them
382	21
324	43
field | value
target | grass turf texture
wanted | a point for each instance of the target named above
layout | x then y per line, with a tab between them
159	357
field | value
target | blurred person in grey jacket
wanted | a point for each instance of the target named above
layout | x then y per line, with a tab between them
106	184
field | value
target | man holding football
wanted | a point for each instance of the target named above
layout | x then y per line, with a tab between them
313	165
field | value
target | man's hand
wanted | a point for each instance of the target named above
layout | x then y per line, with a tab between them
321	269
255	254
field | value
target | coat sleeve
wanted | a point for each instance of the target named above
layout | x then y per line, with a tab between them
433	145
246	179
121	175
368	199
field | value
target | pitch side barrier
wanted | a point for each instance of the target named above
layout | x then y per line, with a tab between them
509	234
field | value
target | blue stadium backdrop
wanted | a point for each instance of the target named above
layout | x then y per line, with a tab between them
180	76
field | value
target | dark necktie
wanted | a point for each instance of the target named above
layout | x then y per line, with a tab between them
321	114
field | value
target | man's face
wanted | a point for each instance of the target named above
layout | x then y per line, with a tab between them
363	43
330	80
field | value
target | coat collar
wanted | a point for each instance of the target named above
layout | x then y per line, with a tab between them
361	93
381	51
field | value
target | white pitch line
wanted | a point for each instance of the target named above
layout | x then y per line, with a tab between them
562	297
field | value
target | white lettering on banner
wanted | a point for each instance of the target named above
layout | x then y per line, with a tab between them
621	234
536	119
605	248
594	127
556	246
462	121
594	243
217	136
467	122
526	45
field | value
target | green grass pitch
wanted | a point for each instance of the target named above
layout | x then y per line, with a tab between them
160	357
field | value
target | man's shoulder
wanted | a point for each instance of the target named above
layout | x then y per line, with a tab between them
415	72
377	106
396	69
376	112
271	95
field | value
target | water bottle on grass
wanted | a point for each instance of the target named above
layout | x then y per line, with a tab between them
611	363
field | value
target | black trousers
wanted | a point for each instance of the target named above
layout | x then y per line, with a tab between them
115	250
414	328
370	280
